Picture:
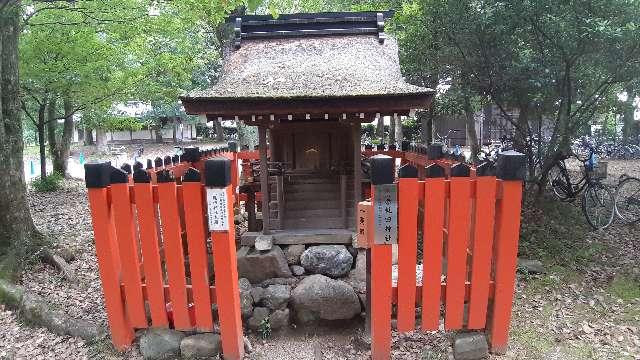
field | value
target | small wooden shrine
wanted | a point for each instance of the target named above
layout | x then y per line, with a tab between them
308	82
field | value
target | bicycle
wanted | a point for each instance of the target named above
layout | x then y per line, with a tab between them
627	199
598	201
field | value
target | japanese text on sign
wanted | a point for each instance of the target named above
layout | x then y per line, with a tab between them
217	209
385	207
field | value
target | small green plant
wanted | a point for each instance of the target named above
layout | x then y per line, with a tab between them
625	287
264	329
49	183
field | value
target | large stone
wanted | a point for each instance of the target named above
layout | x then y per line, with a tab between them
259	314
276	296
297	270
331	260
263	242
257	293
201	346
279	281
10	295
279	319
258	266
470	346
246	299
161	344
531	266
293	252
320	297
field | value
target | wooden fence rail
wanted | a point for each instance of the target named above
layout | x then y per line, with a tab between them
467	228
155	252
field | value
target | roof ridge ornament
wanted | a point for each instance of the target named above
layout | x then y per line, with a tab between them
237	30
380	22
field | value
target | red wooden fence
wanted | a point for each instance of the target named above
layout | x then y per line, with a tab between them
145	231
470	224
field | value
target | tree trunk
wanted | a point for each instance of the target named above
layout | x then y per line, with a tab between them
627	116
219	131
398	131
51	125
101	140
392	130
16	226
42	120
60	156
380	129
88	136
470	123
426	125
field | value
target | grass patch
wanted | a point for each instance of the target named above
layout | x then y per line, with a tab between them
554	232
534	343
625	288
49	183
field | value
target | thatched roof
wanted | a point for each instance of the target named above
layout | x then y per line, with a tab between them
303	62
311	67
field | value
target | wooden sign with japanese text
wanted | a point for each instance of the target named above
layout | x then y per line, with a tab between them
364	216
385	212
217	209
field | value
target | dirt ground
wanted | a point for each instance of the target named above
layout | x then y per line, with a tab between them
586	306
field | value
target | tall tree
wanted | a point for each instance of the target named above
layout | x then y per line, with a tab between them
17	231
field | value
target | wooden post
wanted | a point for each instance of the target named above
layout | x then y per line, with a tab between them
357	168
280	198
97	180
511	170
250	208
220	207
343	199
264	178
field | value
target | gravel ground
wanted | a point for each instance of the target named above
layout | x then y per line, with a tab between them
589	309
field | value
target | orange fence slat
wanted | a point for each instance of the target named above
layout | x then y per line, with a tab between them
380	301
407	252
121	331
457	240
484	213
434	200
226	282
172	240
147	223
506	248
194	218
125	232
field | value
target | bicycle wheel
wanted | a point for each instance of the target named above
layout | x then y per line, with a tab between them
627	200
558	183
598	205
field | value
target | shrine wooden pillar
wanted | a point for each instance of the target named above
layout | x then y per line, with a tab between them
264	178
357	170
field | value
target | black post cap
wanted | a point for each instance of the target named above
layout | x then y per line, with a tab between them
233	146
460	170
404	145
167	161
118	176
165	176
217	172
511	165
96	175
191	154
380	147
191	175
434	171
149	164
137	165
382	169
486	169
434	151
126	168
408	171
158	162
393	147
141	176
175	159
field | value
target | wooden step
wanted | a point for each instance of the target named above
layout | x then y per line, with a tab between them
320	195
314	222
293	205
